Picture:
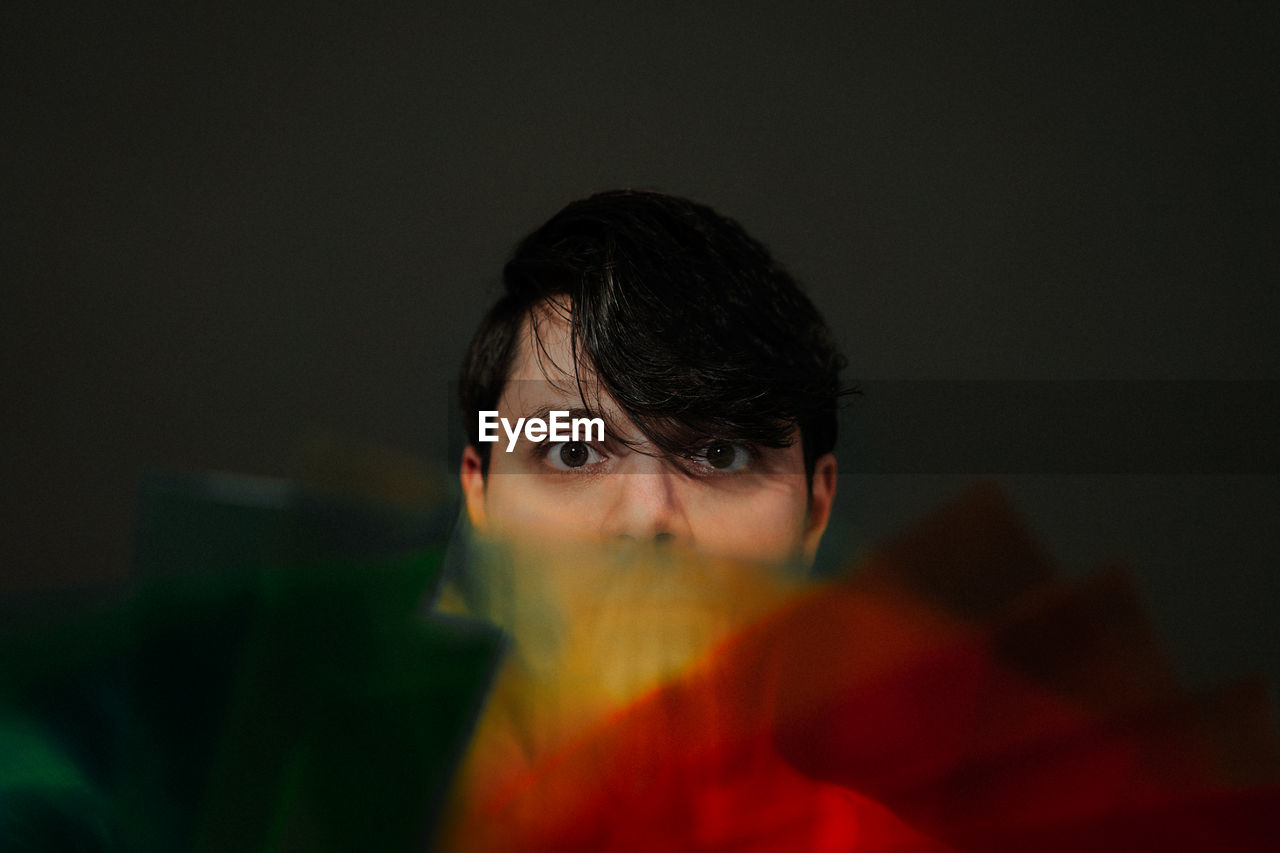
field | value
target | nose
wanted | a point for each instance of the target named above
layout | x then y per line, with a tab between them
647	505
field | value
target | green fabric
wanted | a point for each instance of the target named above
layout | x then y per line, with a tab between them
263	687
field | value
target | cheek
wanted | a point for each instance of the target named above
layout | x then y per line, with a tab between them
532	503
764	524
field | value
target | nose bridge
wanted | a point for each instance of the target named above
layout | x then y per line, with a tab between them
648	502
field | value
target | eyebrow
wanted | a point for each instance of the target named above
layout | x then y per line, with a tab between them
574	412
544	412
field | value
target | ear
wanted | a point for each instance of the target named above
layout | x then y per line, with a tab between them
472	477
822	495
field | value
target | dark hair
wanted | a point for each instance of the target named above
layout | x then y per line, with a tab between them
690	325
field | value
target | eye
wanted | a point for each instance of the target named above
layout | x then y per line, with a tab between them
568	455
725	456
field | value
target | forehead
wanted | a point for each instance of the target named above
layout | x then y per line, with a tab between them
544	374
544	349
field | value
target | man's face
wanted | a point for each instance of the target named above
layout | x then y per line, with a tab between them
733	500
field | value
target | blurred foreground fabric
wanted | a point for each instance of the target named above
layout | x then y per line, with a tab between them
309	667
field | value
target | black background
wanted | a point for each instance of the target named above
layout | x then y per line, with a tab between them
227	224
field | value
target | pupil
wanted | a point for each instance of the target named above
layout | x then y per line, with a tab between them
720	455
573	454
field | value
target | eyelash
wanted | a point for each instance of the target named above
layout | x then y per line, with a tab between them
705	468
697	466
542	452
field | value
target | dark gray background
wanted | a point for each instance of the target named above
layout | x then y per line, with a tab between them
227	224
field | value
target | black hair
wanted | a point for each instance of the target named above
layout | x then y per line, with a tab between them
688	323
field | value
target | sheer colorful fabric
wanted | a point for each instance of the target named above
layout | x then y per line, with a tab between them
287	674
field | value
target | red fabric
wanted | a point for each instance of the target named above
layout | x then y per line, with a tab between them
903	709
